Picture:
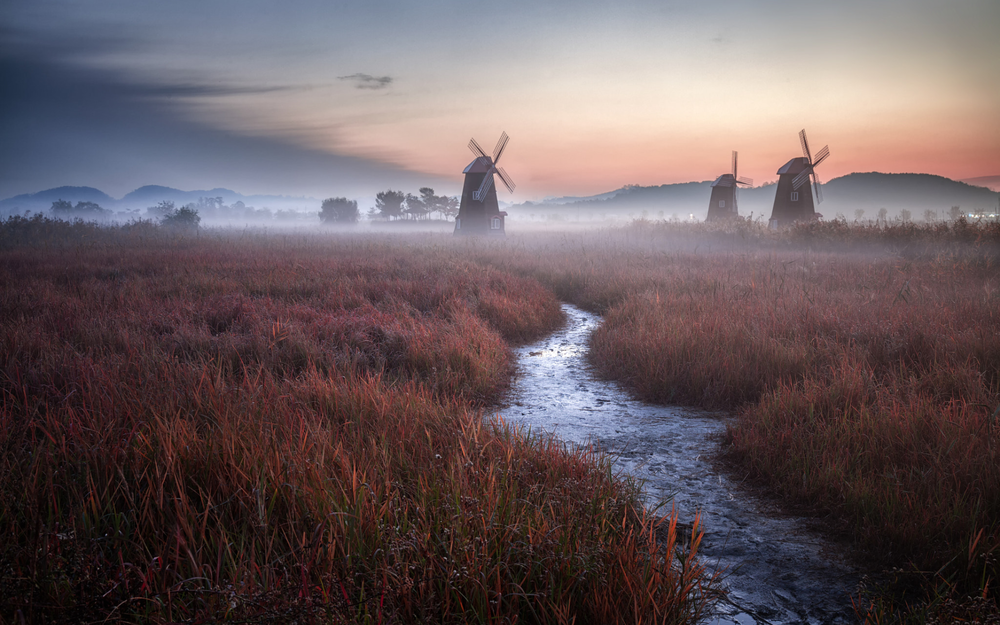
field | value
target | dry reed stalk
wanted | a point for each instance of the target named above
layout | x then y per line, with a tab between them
215	429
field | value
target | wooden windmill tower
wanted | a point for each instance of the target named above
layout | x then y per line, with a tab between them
793	200
479	212
723	203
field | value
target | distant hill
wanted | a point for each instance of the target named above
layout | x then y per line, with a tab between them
894	192
150	195
31	201
147	196
569	199
633	199
990	182
868	192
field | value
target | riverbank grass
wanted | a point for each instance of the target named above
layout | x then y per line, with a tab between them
863	362
276	428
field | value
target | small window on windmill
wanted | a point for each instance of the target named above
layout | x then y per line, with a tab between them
496	223
795	196
722	203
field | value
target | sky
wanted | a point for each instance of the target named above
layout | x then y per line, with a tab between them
329	98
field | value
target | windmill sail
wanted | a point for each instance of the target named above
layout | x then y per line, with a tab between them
485	187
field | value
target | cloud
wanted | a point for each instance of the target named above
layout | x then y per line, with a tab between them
21	58
367	81
66	124
199	89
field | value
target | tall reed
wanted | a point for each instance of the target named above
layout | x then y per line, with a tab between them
863	363
290	427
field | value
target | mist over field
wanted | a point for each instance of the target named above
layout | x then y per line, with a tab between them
856	197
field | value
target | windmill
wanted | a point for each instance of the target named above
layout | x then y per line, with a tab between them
479	212
793	201
722	205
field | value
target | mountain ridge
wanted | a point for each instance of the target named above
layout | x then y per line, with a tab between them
147	196
865	191
990	182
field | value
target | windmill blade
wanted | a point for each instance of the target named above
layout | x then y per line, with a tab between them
501	144
484	188
734	165
818	187
478	151
821	155
819	193
805	145
507	182
802	178
745	180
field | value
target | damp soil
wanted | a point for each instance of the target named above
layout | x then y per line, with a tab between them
777	567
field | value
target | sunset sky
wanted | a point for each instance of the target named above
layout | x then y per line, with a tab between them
326	97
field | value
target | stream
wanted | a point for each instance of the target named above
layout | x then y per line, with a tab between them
777	570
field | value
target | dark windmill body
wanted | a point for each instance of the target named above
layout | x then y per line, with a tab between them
793	200
722	205
479	213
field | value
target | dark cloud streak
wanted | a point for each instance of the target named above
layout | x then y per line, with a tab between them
367	81
62	123
193	90
72	54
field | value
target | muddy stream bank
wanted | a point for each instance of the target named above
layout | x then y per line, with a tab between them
777	569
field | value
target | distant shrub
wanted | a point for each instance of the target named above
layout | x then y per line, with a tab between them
88	211
339	210
185	218
161	210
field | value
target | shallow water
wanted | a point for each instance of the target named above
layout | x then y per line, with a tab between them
777	569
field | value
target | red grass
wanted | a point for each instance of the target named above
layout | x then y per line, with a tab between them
278	429
867	384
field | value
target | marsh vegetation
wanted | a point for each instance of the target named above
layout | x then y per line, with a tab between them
273	426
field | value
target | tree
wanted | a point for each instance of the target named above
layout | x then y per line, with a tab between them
955	212
905	215
339	210
930	216
446	206
430	201
449	207
859	214
418	207
390	203
184	219
62	209
882	214
211	207
211	203
161	210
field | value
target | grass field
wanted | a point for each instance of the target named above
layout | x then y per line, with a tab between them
863	362
280	428
253	426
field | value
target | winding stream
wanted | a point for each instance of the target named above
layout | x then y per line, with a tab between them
778	571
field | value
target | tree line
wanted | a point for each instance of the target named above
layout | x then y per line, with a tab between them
391	205
185	218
